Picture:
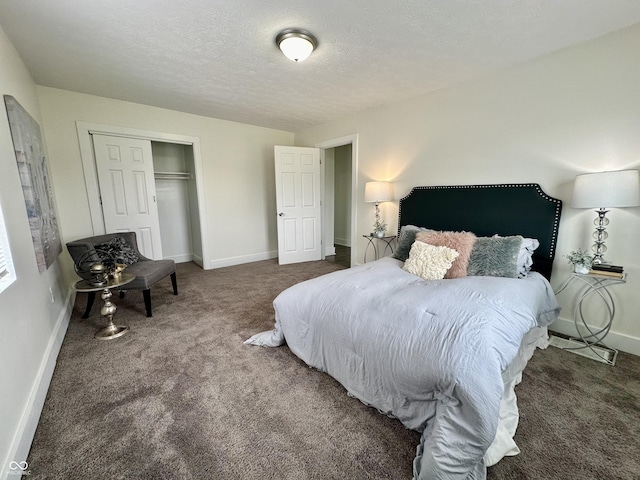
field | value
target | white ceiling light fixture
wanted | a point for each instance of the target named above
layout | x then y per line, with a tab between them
296	44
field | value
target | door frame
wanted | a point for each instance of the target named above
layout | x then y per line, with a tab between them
85	129
339	142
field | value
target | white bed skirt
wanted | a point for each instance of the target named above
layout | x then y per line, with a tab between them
503	444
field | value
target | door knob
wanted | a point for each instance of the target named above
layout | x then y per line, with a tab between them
281	214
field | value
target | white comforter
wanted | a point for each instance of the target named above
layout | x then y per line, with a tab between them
431	353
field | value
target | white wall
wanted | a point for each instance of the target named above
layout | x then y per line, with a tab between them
238	169
173	201
574	111
32	325
194	209
329	198
342	218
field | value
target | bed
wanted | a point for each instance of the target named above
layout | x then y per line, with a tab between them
443	355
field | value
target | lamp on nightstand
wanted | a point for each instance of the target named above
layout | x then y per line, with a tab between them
378	192
604	190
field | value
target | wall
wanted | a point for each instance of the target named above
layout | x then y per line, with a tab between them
238	169
329	198
574	111
33	318
342	219
173	201
194	209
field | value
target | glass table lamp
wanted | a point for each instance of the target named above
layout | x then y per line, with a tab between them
603	190
377	192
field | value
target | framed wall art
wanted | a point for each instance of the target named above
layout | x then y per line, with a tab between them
36	185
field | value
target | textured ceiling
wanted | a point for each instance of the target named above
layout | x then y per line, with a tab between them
218	57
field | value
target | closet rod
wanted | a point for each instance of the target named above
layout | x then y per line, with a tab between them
172	175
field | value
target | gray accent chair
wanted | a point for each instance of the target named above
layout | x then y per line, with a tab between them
147	271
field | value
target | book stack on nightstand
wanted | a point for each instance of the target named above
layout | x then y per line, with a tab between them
606	270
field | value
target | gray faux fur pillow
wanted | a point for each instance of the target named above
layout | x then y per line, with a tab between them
405	241
495	257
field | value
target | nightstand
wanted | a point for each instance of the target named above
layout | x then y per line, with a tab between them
387	241
590	340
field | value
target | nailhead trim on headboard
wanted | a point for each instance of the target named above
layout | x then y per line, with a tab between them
557	204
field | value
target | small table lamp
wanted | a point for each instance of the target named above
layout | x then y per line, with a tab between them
604	190
377	192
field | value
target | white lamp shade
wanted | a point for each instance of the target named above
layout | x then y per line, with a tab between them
607	189
296	48
377	192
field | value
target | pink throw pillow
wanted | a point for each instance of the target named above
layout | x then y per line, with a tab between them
461	242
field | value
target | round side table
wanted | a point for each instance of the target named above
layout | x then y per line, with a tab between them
388	240
112	330
588	336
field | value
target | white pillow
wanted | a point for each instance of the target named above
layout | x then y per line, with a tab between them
525	261
428	261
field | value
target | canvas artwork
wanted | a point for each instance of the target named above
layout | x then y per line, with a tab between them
38	195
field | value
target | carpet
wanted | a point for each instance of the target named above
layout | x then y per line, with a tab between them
181	397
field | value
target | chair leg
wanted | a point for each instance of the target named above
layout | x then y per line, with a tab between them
174	282
147	301
90	299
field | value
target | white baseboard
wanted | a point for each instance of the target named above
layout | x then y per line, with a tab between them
26	430
187	257
619	341
230	261
329	251
345	242
197	259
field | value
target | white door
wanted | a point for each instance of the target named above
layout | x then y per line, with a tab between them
127	189
298	204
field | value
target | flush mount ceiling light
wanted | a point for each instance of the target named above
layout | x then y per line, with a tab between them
296	44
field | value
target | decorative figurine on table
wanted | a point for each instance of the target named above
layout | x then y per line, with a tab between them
96	266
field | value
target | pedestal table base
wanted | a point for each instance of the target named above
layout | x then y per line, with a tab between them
108	310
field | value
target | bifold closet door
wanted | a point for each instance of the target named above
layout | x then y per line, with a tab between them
127	189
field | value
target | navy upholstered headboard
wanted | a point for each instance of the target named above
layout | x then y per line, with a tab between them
503	209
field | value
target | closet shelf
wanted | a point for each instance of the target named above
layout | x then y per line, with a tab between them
172	176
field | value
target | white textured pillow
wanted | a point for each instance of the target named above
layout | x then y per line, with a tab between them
428	261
